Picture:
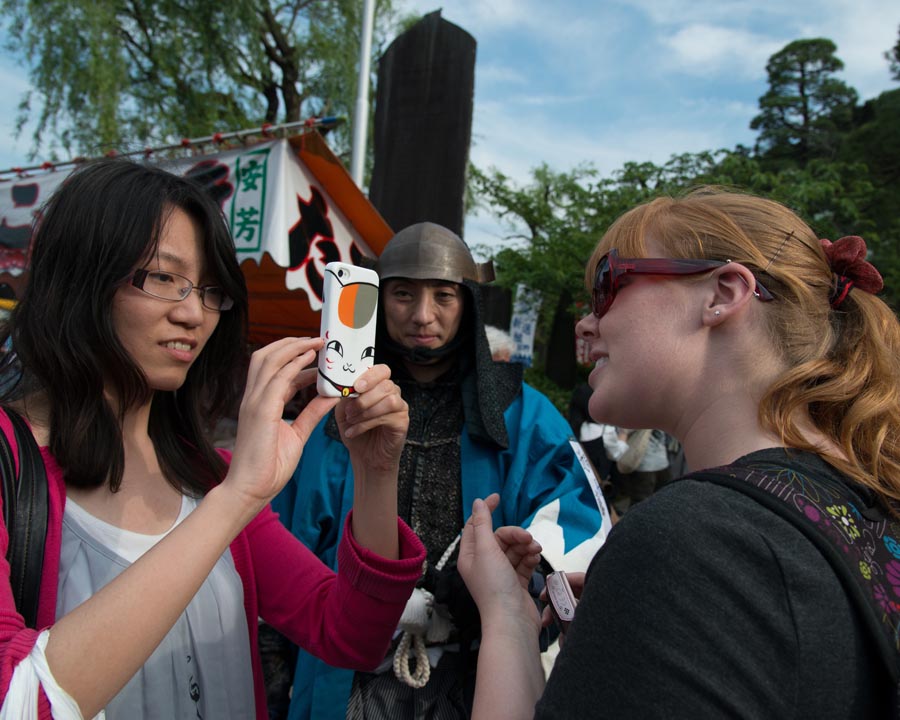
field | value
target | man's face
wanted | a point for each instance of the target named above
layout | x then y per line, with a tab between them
422	313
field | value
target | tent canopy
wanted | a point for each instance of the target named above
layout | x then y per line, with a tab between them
291	205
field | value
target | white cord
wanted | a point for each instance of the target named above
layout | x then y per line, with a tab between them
418	678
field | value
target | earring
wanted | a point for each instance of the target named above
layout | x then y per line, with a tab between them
717	313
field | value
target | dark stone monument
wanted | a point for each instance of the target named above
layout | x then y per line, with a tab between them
423	125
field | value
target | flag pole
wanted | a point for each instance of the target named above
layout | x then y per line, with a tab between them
361	114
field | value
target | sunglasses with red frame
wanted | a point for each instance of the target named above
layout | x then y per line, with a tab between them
612	268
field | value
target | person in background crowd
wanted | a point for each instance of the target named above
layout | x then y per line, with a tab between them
724	320
590	435
475	428
160	552
648	467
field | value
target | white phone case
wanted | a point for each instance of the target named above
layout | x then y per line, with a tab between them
349	304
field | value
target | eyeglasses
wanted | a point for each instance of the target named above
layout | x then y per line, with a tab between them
611	268
175	288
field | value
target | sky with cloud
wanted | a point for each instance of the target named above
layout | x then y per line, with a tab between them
607	82
581	81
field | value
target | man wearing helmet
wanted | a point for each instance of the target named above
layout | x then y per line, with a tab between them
475	428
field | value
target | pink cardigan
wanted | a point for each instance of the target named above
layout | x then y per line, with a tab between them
347	619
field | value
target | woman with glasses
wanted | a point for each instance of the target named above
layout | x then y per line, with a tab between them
160	552
765	583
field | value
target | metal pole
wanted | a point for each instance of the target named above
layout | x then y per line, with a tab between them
361	114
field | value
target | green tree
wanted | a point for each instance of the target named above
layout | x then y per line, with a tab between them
806	107
876	143
553	224
555	220
111	72
893	57
838	169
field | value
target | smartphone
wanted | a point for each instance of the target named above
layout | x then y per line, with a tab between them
562	599
349	303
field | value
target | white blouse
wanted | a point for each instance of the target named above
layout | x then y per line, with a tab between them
202	667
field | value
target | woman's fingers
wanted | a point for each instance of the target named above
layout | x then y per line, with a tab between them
390	412
522	551
495	584
263	446
307	377
311	415
480	527
283	361
378	404
371	377
478	533
280	351
372	387
514	535
576	582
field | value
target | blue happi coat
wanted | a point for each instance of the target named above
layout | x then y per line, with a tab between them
543	488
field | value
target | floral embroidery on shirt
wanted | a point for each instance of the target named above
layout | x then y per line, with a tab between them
867	540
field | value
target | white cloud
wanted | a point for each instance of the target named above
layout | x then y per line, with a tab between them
491	74
862	30
479	17
608	82
668	13
708	50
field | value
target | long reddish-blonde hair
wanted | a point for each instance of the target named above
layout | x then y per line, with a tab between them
843	365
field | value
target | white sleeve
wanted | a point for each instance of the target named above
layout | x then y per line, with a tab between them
33	673
590	431
615	448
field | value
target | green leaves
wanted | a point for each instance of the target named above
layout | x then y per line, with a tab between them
806	107
555	220
893	57
123	74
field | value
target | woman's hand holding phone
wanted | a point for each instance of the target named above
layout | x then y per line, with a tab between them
562	592
267	449
373	423
373	427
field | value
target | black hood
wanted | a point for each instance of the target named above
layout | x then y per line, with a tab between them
488	387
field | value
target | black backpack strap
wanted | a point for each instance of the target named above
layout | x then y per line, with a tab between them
861	543
25	510
8	481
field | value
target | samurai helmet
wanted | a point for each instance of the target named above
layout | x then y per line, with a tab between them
427	251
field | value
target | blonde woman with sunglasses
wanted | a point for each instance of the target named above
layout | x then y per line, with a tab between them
723	319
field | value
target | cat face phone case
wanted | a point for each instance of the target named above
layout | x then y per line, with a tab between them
349	304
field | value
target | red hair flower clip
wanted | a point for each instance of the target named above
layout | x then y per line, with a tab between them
847	259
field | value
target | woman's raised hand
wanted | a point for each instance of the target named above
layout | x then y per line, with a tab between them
521	549
373	425
267	449
373	428
496	567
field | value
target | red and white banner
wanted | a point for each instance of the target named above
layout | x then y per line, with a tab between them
273	202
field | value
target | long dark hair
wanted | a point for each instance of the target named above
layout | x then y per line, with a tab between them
97	227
